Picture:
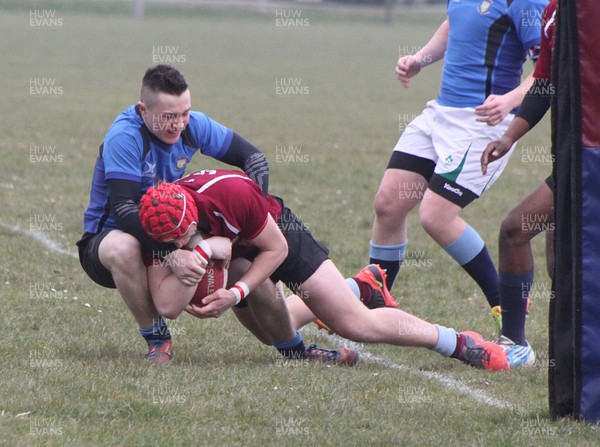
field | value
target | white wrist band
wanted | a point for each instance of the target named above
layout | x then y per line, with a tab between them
240	289
204	250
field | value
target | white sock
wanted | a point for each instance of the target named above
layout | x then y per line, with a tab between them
446	344
354	287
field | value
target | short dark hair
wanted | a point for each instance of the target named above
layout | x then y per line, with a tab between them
165	79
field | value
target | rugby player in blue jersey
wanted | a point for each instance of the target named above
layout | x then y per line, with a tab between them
153	141
436	160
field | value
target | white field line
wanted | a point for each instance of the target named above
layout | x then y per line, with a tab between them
40	237
447	381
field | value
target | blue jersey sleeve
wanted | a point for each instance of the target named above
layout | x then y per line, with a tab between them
526	15
212	137
122	155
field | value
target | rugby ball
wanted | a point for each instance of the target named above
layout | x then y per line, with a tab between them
214	279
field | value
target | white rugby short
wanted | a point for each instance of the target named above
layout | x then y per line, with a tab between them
452	139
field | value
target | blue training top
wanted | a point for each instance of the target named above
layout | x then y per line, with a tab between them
131	152
487	46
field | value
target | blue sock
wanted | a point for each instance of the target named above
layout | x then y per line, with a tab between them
157	333
470	252
514	290
446	344
389	258
292	349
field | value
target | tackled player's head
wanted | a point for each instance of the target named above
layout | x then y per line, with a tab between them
167	211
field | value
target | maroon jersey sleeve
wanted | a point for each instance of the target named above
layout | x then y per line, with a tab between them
543	66
231	202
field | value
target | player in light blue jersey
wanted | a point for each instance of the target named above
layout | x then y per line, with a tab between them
484	44
149	142
131	152
486	48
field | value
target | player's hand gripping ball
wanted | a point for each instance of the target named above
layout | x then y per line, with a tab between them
214	279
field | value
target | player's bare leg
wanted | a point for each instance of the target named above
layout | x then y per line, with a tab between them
534	214
266	317
300	314
272	312
247	317
440	218
121	254
330	299
399	192
530	217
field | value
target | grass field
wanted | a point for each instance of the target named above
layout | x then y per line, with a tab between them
72	362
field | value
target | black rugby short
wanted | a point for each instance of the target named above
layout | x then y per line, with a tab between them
305	253
90	260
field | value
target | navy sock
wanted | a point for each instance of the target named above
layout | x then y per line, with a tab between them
514	291
391	268
483	271
157	333
470	252
389	258
292	349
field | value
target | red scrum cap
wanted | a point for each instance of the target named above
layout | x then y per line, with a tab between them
166	211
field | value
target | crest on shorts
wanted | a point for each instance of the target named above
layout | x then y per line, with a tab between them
448	160
181	163
485	7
